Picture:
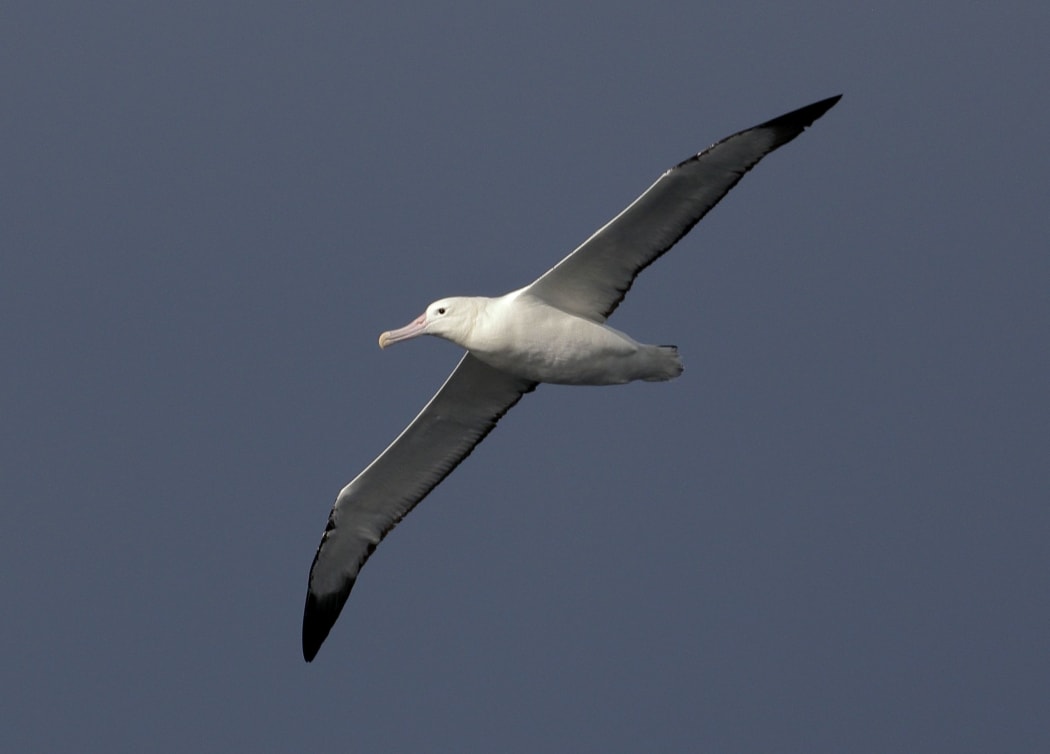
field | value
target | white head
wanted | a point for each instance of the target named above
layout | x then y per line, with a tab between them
448	318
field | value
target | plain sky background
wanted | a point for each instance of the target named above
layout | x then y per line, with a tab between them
829	535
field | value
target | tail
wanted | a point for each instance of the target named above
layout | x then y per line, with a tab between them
666	365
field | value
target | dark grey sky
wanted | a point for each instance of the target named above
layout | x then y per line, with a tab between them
829	535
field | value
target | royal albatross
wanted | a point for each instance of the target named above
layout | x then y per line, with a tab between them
552	330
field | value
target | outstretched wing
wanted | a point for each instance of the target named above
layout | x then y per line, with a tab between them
592	280
456	419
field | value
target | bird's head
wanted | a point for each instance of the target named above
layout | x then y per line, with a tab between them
448	318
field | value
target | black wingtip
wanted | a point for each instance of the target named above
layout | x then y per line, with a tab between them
817	109
319	616
804	116
315	630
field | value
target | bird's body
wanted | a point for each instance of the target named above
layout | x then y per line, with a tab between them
522	335
552	330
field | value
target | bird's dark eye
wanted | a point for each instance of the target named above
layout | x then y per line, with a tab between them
441	310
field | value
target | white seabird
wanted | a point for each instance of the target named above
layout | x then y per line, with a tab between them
552	330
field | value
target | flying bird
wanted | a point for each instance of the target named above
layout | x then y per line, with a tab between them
552	330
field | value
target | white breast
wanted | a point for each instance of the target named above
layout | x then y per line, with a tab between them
523	336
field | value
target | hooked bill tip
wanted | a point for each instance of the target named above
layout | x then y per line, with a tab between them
382	339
